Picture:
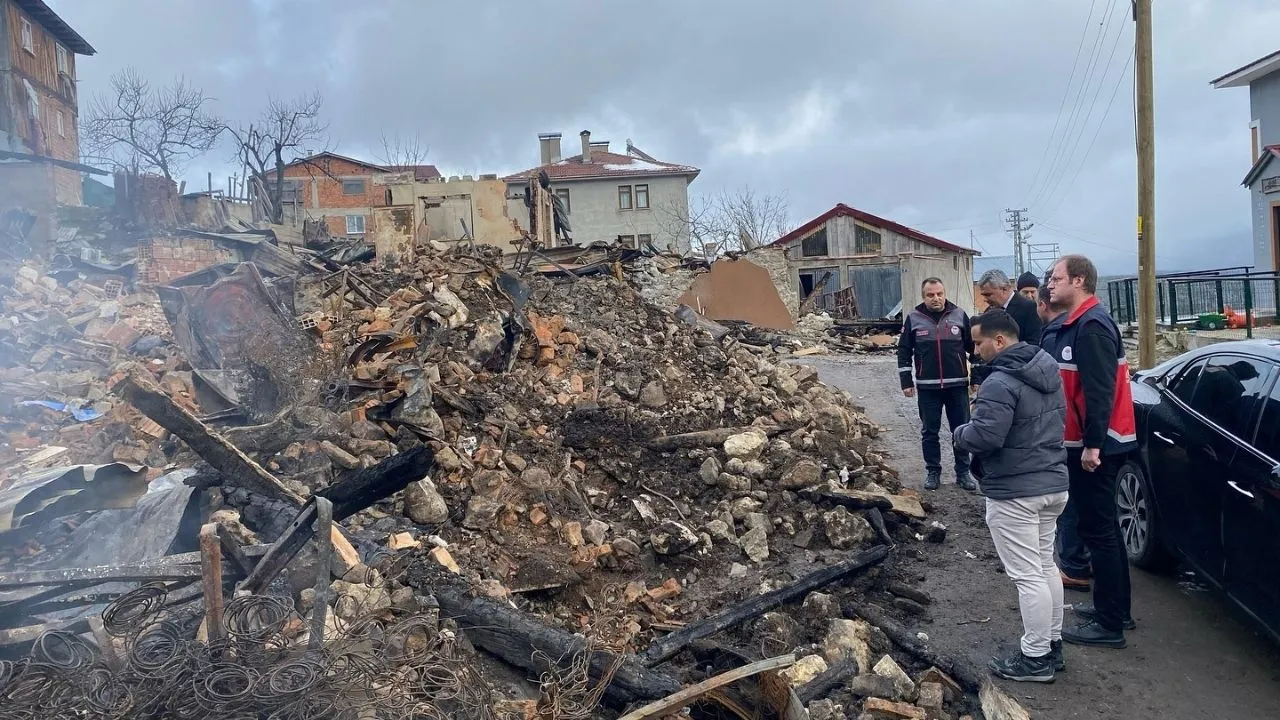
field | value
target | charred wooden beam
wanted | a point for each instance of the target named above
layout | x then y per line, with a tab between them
211	579
521	640
669	646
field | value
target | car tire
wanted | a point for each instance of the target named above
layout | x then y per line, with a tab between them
1139	522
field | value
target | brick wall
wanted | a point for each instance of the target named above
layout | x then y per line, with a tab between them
321	192
166	258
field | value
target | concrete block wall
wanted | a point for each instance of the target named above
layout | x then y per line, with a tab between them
165	258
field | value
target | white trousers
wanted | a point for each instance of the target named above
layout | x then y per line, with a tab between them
1023	531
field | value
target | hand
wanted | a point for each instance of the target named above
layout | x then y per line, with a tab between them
909	392
973	391
1091	459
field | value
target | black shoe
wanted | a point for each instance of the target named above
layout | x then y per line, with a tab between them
932	481
1020	668
1091	633
965	481
1089	613
1055	652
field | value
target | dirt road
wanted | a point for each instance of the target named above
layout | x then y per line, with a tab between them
1190	658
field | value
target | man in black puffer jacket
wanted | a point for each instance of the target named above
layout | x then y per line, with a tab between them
1016	437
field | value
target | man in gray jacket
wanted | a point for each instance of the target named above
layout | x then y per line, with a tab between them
1016	436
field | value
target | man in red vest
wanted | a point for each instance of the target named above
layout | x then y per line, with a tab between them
1100	431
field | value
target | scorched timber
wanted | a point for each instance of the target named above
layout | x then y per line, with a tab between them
669	646
518	639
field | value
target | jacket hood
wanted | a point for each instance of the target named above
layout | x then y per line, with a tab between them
1030	365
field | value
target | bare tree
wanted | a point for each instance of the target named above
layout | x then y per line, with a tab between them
403	152
144	128
730	220
287	129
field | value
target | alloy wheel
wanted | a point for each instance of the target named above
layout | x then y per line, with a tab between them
1135	516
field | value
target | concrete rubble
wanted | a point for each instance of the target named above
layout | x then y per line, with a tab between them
604	468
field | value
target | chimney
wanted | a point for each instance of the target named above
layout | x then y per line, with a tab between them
586	146
549	144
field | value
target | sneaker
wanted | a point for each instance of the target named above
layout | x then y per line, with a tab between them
966	482
1091	633
932	481
1020	668
1055	652
1074	583
1089	613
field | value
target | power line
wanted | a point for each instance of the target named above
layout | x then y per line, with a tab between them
1055	168
1066	92
1114	93
1085	122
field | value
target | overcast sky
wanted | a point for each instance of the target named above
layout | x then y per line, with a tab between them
935	114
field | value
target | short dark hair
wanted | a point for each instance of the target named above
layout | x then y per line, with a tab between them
996	322
1079	266
1044	295
932	280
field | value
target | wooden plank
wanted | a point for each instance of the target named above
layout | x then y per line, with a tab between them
19	636
692	693
184	566
226	458
324	556
232	549
672	644
291	541
211	578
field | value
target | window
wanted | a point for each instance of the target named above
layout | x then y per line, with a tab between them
627	240
865	241
624	197
355	224
64	61
62	128
1269	430
353	187
563	194
1228	390
815	245
28	38
1184	385
643	240
642	197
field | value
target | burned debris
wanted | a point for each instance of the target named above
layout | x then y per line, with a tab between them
411	486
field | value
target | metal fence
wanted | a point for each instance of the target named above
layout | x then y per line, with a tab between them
1181	298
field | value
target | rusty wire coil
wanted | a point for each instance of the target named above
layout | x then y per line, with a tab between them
134	610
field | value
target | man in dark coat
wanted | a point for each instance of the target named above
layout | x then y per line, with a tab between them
1016	434
998	291
1028	285
933	367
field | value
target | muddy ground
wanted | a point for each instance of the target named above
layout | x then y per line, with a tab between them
1192	656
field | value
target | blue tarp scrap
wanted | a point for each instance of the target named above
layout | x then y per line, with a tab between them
84	414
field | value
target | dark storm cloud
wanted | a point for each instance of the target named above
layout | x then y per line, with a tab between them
934	114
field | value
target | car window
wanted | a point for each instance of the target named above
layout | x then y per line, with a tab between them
1184	385
1269	430
1228	389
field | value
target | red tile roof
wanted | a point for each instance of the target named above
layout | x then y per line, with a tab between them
421	173
606	165
865	217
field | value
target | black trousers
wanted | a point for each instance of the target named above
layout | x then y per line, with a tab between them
1073	557
1094	497
955	401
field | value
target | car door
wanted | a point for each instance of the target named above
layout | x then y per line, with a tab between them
1191	449
1251	519
1186	494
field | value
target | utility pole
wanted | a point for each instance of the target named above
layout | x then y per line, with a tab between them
1146	132
1018	227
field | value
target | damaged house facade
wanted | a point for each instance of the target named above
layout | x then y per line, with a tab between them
880	263
340	190
39	108
631	199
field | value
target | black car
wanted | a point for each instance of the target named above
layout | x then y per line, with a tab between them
1204	485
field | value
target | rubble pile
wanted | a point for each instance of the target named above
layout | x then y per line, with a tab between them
601	469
